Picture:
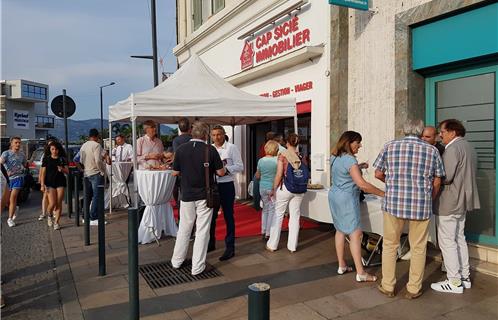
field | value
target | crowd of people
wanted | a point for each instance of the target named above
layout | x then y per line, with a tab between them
422	177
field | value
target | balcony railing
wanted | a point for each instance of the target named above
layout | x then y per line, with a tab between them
44	122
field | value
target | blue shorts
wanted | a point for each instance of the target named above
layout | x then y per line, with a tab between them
16	183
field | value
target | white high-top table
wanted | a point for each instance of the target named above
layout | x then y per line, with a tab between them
119	193
156	190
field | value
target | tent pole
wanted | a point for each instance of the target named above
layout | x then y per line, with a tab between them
110	178
295	124
134	143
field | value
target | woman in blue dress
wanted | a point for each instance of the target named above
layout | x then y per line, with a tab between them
344	200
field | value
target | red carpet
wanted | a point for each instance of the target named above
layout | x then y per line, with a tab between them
248	222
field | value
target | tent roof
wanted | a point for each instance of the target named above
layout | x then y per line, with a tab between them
197	92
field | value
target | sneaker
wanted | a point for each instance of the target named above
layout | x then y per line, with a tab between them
15	213
41	217
466	283
447	287
49	221
11	222
56	226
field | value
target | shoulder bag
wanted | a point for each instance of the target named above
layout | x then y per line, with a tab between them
212	193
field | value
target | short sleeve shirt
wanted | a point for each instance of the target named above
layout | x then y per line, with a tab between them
267	166
53	177
14	163
340	172
410	166
181	139
189	161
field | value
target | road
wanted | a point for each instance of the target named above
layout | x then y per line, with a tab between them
30	285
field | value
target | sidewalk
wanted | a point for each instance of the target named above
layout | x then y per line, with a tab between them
304	284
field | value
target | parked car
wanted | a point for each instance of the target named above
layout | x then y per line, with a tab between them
35	161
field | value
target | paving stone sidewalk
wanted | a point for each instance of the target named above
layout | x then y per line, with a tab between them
304	284
52	275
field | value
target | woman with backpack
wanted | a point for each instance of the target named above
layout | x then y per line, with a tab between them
53	181
289	187
344	201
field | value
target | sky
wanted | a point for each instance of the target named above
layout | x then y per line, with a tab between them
80	45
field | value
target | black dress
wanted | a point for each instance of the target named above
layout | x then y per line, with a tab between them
53	177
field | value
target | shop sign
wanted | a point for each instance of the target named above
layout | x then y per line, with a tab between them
281	39
21	119
355	4
300	87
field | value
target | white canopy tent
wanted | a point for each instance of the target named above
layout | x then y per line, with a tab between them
198	93
195	91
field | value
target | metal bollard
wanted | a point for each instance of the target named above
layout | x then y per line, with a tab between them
100	211
77	176
133	292
259	301
86	213
69	194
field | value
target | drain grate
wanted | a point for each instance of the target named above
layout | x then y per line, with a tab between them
162	274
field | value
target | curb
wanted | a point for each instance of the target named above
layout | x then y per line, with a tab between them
71	308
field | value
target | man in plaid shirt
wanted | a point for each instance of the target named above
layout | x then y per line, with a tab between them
412	171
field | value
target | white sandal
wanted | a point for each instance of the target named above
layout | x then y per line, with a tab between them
365	277
343	270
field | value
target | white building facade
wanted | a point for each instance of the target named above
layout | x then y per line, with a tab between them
24	109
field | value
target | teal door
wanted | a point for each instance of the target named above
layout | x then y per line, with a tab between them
470	96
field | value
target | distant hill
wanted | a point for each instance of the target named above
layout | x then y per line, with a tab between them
77	128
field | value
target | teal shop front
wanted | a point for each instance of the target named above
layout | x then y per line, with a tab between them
458	56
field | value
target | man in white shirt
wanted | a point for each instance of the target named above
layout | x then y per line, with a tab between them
122	151
230	155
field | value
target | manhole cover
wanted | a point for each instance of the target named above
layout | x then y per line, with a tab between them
162	274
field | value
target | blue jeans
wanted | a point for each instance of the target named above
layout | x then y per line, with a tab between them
92	194
227	199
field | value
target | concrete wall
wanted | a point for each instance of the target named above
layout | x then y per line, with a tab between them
371	75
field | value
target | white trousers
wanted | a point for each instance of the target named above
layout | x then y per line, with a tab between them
284	197
453	246
193	212
267	213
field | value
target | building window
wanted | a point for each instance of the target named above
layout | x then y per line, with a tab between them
44	122
35	92
202	10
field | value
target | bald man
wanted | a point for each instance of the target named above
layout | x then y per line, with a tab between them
429	135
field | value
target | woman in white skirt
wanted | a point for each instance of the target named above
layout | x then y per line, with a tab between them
283	198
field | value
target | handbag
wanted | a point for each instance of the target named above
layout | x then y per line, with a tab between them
212	193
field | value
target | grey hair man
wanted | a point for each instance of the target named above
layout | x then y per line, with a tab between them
412	171
149	147
189	163
458	196
430	136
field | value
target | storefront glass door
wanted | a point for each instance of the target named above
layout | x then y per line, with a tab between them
470	96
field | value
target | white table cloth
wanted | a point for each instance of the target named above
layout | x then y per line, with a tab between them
120	192
156	189
315	206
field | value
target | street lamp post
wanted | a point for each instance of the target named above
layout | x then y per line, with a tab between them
102	109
